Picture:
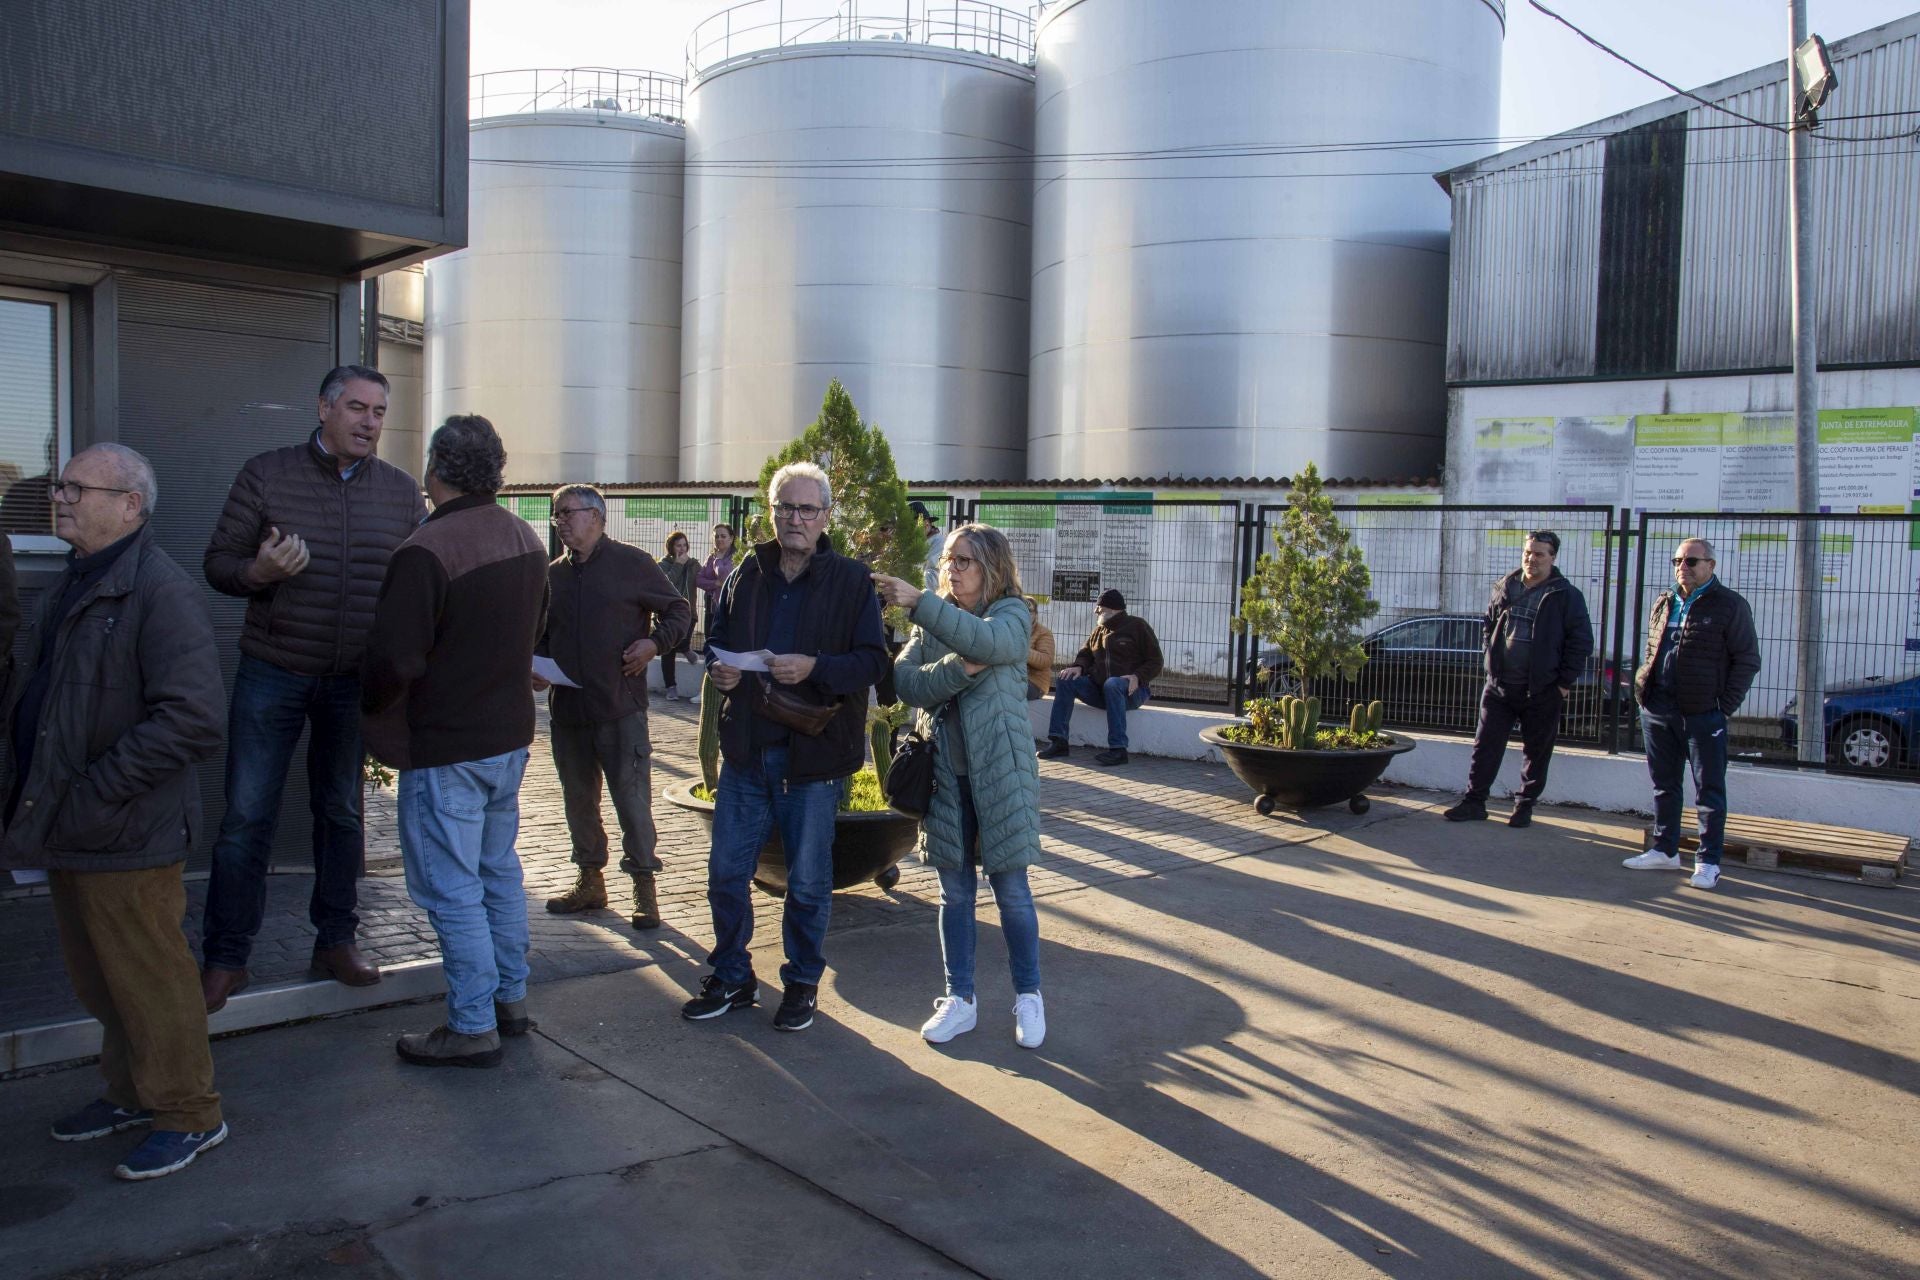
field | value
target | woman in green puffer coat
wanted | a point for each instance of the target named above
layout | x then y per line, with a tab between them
965	667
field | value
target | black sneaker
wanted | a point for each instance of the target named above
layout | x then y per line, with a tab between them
1468	810
1112	756
1054	750
796	1009
1522	815
717	997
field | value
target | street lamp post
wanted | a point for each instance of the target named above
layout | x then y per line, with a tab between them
1806	397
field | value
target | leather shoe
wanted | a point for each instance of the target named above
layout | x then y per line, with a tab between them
344	964
217	985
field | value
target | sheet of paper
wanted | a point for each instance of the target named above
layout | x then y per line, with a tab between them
549	670
755	661
30	876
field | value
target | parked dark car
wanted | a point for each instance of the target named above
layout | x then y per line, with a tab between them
1870	725
1429	672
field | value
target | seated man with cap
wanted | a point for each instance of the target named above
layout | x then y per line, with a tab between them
1112	670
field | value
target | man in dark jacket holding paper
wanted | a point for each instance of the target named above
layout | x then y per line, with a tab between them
1537	637
788	736
610	612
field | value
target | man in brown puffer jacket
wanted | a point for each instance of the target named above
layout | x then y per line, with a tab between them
304	539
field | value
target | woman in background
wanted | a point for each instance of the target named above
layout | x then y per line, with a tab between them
714	573
680	570
965	667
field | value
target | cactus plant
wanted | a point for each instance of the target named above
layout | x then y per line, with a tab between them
710	736
1376	715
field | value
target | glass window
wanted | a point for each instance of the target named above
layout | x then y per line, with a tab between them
1464	633
1422	633
34	407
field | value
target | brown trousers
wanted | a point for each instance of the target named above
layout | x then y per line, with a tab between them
131	967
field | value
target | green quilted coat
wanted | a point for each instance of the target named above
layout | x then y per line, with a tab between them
993	712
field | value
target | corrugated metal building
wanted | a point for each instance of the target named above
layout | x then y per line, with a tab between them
1640	265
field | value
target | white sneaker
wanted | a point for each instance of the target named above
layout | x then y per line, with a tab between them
1653	860
952	1016
1705	875
1029	1020
673	695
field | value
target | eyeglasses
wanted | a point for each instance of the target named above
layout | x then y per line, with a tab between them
958	564
1690	561
563	514
71	491
806	511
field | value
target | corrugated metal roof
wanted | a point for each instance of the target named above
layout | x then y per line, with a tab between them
1528	226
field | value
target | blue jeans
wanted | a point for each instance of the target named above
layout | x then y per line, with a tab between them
753	798
1674	740
1018	919
270	706
457	827
1112	695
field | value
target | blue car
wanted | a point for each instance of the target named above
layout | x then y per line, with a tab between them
1870	725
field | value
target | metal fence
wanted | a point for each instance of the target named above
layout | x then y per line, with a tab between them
1432	567
1870	611
1175	561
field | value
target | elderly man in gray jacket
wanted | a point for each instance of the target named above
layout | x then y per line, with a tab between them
117	699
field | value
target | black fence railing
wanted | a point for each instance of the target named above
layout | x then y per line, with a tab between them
1176	561
1432	568
1870	620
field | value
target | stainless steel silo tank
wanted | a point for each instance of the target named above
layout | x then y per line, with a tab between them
1230	275
561	319
402	296
849	215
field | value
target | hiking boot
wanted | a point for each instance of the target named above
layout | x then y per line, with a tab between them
589	893
1112	756
717	996
1705	875
646	901
218	985
1522	815
952	1016
1652	860
511	1019
796	1007
445	1047
1055	749
1029	1020
1468	810
98	1119
168	1151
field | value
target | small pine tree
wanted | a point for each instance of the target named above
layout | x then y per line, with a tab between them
871	519
1310	596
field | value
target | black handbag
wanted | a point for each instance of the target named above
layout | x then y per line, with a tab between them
910	777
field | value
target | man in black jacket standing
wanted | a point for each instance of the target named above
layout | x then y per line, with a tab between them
1537	637
788	735
1701	657
116	701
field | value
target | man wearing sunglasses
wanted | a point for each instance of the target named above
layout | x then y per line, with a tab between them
788	735
1701	658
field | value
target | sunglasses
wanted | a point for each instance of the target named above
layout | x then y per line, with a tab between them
1690	561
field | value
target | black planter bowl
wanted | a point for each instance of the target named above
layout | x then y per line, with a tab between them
866	846
1306	779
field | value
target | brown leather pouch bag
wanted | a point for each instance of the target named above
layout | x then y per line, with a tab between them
787	708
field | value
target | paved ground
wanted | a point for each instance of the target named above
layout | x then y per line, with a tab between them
1352	1047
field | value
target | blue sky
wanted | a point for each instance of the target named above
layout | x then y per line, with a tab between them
1552	80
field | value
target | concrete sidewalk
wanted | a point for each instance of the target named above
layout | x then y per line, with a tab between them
1351	1047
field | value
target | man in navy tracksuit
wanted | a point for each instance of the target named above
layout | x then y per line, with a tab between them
1537	637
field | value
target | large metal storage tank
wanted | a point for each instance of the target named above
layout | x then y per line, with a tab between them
849	215
561	319
402	296
1230	275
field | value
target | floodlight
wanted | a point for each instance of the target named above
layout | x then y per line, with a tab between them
1817	80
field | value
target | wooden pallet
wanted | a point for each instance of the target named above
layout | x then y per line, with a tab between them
1805	849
